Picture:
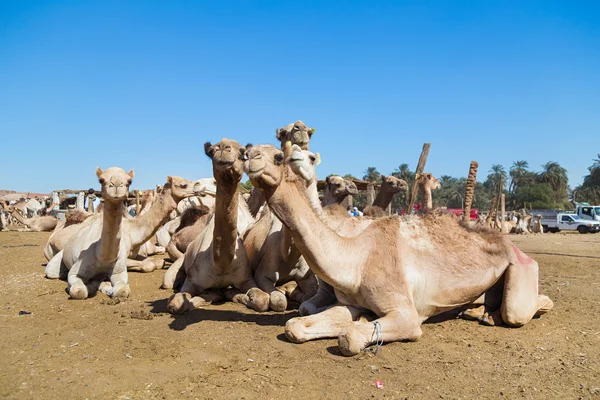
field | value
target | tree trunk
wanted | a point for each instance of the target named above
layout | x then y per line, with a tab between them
470	190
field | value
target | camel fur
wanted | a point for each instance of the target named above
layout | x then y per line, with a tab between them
390	185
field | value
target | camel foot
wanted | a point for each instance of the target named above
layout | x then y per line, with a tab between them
492	319
307	308
544	304
278	301
179	303
258	300
350	342
78	291
294	329
473	314
121	291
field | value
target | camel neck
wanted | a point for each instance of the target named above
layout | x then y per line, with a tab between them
329	198
20	218
384	197
426	197
148	223
110	240
324	251
225	232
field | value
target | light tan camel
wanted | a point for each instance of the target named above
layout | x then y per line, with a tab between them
35	224
217	259
390	185
297	133
404	270
100	250
273	256
427	182
537	224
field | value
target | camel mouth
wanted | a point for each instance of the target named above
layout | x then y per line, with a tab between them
222	164
254	173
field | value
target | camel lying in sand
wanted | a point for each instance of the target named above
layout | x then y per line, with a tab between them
35	224
217	259
100	249
403	270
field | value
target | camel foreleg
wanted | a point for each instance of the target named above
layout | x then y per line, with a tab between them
254	297
327	324
307	288
55	268
266	279
172	274
145	265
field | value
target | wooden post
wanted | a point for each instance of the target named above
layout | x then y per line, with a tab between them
420	168
470	190
502	213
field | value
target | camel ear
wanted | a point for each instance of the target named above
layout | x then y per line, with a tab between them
327	180
278	134
208	150
99	171
318	159
382	177
131	174
169	180
311	132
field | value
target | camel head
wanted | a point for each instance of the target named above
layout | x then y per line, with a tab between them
205	187
115	183
427	180
180	188
303	162
340	187
393	184
264	165
226	157
297	133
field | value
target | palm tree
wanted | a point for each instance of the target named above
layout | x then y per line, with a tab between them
372	175
403	172
555	175
493	178
517	170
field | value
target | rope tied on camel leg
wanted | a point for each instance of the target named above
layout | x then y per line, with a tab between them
377	337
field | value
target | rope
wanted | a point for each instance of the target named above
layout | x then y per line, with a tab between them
376	337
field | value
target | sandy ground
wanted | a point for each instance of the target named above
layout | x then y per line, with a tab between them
134	349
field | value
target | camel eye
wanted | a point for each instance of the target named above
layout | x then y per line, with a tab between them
278	158
313	158
128	182
184	186
101	180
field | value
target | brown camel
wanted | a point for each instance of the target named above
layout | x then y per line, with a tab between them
403	270
390	185
100	249
193	221
337	189
217	259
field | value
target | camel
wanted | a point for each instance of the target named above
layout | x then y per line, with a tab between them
337	189
35	224
217	259
273	256
403	270
427	182
537	224
297	133
100	249
390	185
192	223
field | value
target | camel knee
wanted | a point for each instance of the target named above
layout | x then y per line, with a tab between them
307	308
278	301
294	330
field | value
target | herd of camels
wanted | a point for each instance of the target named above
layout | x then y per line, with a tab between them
364	280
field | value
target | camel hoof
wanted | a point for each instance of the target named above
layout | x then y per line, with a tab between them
278	301
492	319
349	344
293	331
122	293
258	300
178	303
78	292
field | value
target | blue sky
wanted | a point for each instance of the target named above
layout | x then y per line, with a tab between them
144	84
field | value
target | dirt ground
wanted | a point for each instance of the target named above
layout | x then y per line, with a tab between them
136	350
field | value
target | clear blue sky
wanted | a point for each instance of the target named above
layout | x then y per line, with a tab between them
143	84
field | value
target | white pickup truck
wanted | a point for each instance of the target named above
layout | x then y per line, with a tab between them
586	211
570	222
